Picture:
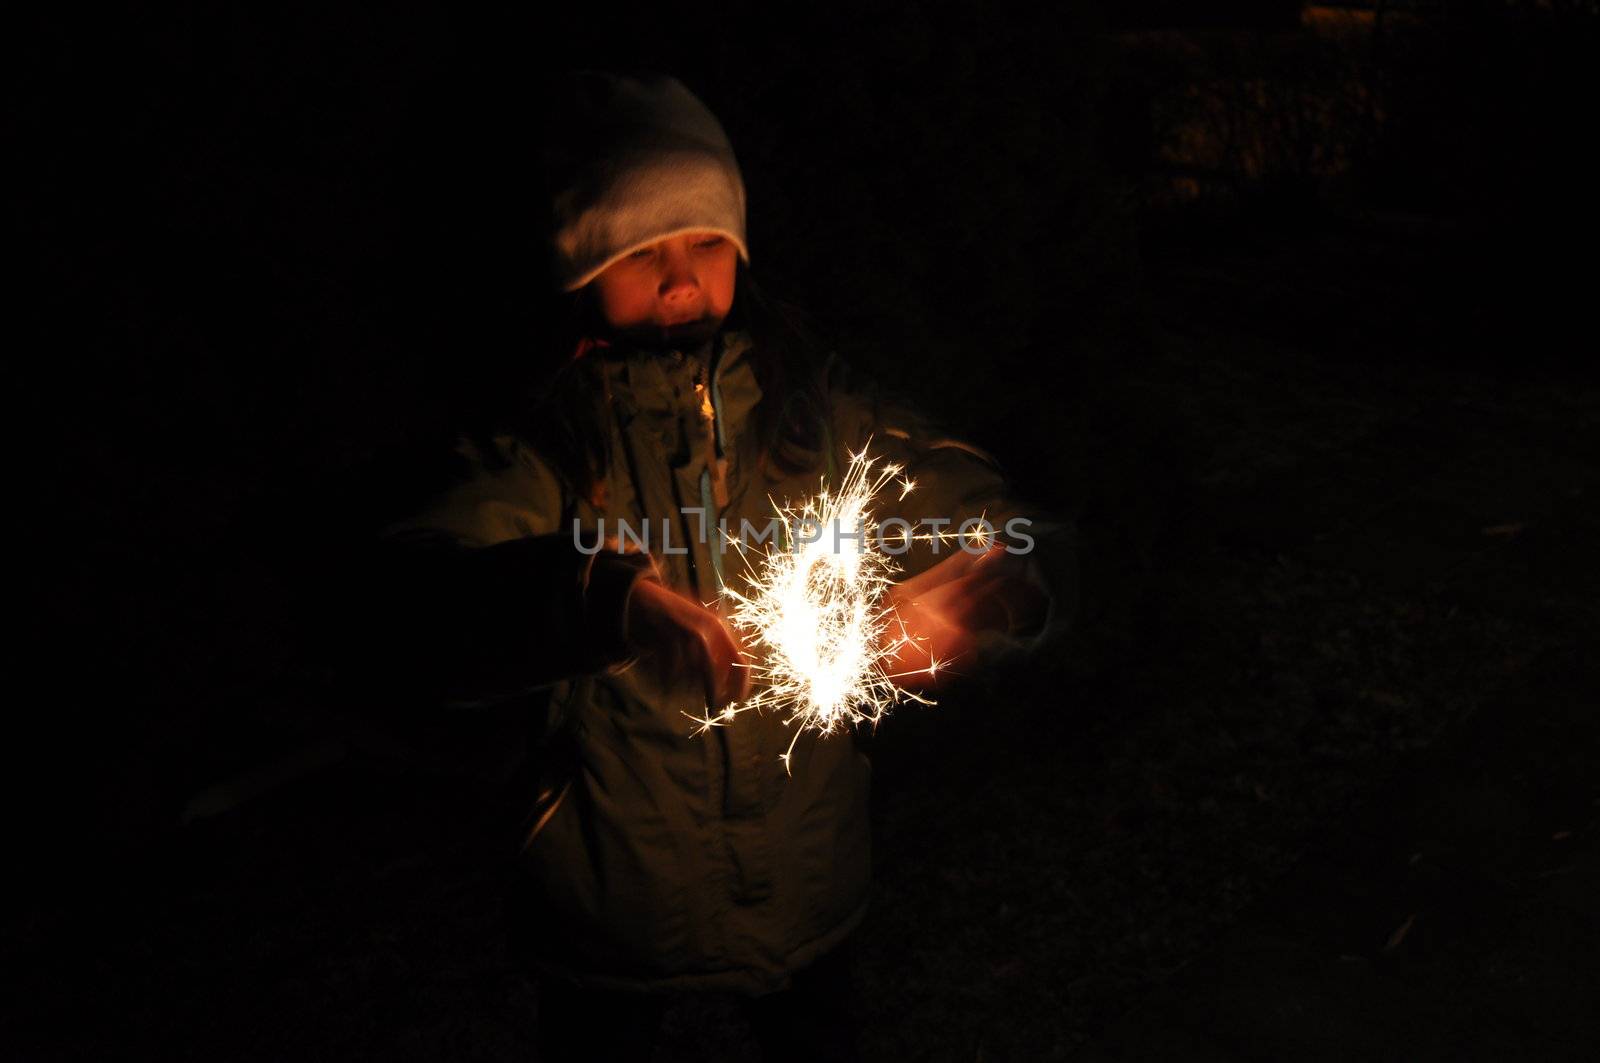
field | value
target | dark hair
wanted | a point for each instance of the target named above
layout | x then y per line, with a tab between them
554	397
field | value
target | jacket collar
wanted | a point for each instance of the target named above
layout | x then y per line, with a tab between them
661	381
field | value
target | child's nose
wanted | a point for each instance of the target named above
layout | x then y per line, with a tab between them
679	283
680	290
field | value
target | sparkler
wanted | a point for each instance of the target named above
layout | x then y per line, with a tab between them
818	616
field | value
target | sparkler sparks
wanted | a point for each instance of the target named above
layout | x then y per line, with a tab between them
817	613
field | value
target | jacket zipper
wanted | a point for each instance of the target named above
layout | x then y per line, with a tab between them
716	462
714	477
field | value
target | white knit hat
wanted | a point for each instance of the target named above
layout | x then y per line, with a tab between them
632	162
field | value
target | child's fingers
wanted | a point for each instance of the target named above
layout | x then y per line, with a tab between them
953	567
997	559
999	596
725	681
739	680
695	645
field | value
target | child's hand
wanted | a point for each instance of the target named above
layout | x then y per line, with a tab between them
946	608
689	640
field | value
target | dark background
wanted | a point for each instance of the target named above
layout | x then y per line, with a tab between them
1289	304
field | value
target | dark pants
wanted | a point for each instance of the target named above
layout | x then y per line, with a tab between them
813	1020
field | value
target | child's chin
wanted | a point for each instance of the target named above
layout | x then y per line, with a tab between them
683	337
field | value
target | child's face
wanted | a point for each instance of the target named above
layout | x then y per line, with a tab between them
674	292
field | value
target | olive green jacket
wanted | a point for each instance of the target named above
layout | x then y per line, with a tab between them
655	858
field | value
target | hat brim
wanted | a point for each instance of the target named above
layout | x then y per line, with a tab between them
595	271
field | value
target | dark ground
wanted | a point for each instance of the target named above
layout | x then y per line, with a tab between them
1316	779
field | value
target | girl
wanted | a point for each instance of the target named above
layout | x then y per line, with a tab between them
654	860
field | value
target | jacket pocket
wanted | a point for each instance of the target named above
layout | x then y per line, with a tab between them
827	847
610	869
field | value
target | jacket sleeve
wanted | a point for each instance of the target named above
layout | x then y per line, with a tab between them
957	486
486	594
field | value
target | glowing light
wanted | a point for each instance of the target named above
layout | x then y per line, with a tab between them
817	615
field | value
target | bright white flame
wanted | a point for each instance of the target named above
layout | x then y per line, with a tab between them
816	615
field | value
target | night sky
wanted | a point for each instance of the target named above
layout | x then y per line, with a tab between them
1289	307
